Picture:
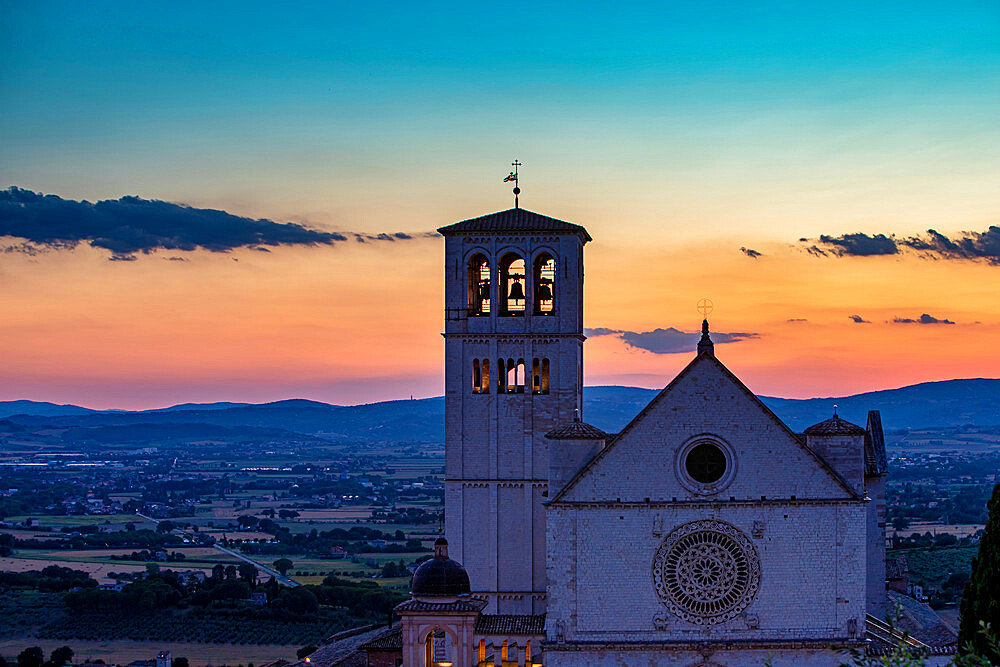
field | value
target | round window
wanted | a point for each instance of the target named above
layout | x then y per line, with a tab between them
705	463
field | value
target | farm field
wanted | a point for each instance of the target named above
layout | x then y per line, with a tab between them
98	570
74	521
125	651
959	530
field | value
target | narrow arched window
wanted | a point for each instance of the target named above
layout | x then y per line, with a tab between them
501	376
536	376
545	376
479	285
511	378
485	388
519	376
512	282
544	281
477	377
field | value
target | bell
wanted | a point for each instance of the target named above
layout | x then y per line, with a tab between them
516	292
544	292
484	290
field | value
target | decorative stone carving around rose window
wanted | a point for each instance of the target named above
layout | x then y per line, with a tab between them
706	572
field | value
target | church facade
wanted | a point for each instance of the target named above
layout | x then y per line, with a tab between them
706	532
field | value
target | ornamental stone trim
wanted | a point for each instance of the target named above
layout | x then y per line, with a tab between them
706	572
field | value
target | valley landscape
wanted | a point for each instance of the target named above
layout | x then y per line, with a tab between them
352	497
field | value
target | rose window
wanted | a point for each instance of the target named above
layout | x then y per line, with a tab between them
706	572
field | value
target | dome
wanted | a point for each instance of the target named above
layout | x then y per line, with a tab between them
576	430
440	576
834	426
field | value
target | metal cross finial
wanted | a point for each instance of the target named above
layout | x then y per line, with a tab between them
705	307
512	176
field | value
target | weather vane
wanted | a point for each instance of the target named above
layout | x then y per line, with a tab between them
705	307
512	176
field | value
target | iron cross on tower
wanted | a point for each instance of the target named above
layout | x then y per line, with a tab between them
512	176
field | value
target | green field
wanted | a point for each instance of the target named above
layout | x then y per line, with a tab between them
931	566
86	520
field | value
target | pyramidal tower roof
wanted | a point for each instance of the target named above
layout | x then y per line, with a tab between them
515	220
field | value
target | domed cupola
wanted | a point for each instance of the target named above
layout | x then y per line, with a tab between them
440	577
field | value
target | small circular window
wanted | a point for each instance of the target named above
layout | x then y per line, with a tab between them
705	463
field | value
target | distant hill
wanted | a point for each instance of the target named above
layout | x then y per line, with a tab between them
930	404
43	408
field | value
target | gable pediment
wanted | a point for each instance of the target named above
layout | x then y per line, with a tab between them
655	459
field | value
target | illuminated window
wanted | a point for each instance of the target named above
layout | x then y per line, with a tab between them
510	376
539	376
544	281
512	285
479	285
480	376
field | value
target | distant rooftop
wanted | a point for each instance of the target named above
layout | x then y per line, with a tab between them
515	220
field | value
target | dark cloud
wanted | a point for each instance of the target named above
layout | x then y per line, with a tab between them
857	319
797	319
131	225
750	252
668	341
932	245
815	250
923	319
861	245
601	331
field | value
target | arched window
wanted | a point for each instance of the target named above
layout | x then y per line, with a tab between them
544	280
480	376
510	376
539	376
512	297
479	285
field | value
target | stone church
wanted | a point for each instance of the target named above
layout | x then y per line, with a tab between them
706	532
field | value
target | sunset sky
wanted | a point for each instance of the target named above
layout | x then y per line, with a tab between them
785	160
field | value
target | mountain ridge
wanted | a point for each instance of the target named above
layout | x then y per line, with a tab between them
943	403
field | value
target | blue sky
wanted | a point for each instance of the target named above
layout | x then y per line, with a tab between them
677	133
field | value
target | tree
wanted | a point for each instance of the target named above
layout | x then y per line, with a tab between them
248	573
247	521
165	526
31	657
283	565
287	514
981	599
231	572
218	571
61	656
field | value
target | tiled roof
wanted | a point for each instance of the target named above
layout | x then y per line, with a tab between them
390	640
576	430
342	649
510	624
919	621
515	220
834	426
470	604
875	459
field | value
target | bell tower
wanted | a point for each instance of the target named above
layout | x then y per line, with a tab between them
513	371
